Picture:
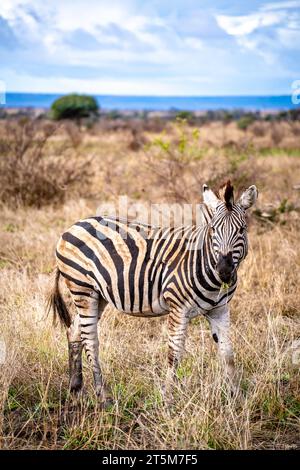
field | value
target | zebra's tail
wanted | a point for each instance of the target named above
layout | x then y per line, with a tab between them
57	304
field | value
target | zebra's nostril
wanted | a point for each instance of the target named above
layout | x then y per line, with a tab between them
226	258
225	265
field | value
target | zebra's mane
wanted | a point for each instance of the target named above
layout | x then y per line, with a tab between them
225	194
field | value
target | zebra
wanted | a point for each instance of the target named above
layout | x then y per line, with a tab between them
152	271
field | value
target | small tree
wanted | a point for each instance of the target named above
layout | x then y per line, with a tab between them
74	107
244	122
188	116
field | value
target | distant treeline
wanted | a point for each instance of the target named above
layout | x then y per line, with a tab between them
85	110
198	117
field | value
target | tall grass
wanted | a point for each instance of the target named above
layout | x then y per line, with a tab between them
35	408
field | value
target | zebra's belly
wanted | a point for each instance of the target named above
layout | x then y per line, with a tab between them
158	307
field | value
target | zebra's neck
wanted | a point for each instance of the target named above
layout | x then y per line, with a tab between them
204	266
194	256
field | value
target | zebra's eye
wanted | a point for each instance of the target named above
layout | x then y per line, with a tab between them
212	229
242	229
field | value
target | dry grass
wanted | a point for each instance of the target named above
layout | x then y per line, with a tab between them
33	170
35	410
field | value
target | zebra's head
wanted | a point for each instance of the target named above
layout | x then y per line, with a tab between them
228	227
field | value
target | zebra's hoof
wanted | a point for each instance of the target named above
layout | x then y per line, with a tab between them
75	391
105	400
107	403
75	385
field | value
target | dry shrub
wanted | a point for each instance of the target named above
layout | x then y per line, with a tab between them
295	128
138	140
105	125
154	125
180	166
117	122
171	165
34	170
73	132
277	134
243	168
258	129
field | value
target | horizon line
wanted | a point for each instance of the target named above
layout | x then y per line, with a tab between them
150	96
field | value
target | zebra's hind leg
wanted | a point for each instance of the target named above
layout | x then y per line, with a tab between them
89	319
75	355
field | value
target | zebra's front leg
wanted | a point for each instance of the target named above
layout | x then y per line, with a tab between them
219	320
75	355
89	334
177	326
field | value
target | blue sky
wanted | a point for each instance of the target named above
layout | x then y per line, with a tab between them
136	47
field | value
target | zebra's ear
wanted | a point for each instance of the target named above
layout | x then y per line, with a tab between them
209	198
248	198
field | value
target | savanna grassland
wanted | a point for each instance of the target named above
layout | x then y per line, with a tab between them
50	176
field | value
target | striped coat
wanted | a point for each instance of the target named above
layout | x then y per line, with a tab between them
152	271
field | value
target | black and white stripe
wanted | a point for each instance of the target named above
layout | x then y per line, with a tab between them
149	271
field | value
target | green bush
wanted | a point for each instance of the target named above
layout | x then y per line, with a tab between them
244	122
185	115
114	114
74	107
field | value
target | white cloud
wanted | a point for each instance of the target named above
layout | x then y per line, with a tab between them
267	32
59	19
72	15
243	25
128	46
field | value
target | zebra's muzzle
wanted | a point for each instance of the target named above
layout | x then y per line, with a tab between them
225	267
